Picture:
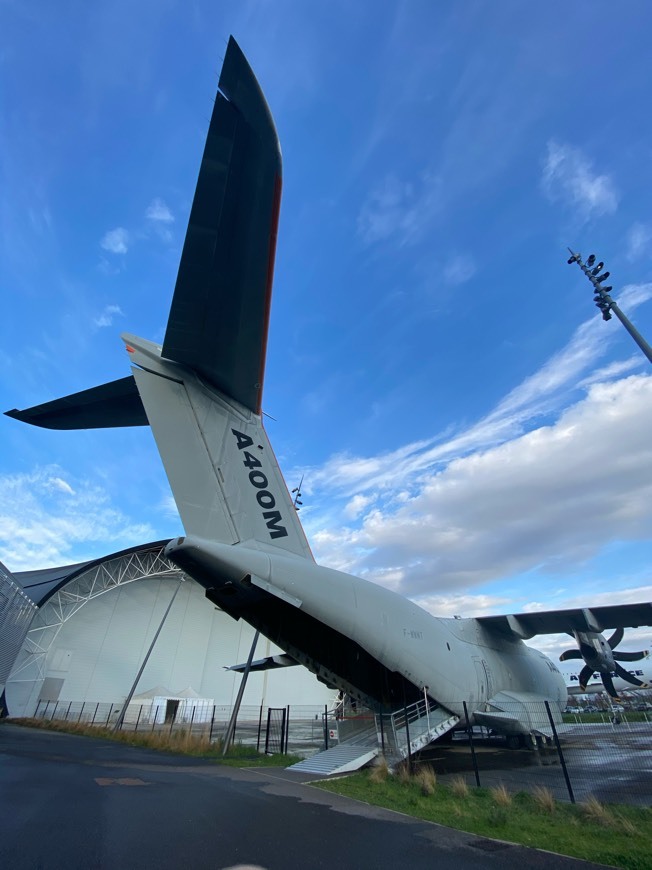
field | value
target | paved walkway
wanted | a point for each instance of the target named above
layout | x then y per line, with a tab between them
76	802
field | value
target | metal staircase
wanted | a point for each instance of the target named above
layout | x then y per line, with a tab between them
412	728
358	745
362	738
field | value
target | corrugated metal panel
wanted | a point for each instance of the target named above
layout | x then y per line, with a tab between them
16	612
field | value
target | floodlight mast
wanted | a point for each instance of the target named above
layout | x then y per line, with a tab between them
604	301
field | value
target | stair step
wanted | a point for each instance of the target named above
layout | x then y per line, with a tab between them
339	759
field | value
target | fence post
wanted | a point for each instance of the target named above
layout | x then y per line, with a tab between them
109	716
68	710
260	721
561	754
210	730
287	730
97	707
382	731
140	710
81	712
469	731
325	726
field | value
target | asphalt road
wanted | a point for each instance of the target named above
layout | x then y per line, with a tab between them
76	802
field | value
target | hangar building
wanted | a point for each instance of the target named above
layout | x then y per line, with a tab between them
79	634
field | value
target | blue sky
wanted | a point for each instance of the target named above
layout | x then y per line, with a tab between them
471	433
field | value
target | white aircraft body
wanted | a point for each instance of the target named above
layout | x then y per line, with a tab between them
201	394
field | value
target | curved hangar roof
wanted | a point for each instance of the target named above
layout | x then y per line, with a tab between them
41	584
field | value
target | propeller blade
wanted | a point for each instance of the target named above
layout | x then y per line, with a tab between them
625	675
616	637
630	656
608	683
570	654
585	675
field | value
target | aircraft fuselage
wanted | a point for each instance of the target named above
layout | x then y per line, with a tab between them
453	660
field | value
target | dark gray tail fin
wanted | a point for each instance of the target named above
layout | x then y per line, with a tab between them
220	310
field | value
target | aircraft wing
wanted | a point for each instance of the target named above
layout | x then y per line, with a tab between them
267	664
527	625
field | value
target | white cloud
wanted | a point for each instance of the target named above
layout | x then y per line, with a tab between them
550	497
106	317
357	504
60	484
116	241
568	178
459	269
398	211
639	241
158	211
541	393
45	521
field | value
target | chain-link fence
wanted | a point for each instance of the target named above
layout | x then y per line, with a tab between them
608	756
302	731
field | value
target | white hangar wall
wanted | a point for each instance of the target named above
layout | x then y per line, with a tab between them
95	654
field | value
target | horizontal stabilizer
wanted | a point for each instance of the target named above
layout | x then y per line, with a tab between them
111	405
267	664
220	310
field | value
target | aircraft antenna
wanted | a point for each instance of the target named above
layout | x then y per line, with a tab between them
297	498
604	301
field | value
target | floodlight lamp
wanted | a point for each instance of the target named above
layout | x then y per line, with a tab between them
597	268
606	315
607	289
591	260
574	258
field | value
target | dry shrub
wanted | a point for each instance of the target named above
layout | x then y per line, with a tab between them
459	787
403	773
379	772
625	826
594	811
501	796
426	780
544	799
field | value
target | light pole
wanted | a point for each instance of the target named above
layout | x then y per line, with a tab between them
604	301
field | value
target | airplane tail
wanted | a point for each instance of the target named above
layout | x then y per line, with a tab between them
201	392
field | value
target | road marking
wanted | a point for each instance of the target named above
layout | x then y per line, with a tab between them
126	780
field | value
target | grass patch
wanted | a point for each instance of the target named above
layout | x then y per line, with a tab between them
180	742
617	835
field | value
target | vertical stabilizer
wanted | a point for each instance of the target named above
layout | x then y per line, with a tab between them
224	476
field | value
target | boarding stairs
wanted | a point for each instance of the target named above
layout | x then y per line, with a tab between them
394	735
412	728
357	746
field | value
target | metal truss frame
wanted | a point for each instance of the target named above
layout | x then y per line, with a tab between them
100	578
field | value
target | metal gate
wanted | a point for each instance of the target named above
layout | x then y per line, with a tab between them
276	736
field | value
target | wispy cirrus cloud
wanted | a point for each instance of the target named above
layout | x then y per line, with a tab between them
116	241
107	315
568	177
398	211
459	269
639	241
159	212
541	393
49	518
